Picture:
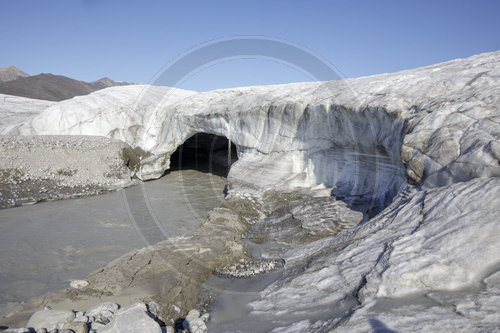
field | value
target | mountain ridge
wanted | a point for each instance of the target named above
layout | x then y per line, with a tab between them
51	87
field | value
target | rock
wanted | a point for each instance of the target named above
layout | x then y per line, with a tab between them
78	284
250	268
44	318
176	308
205	317
96	326
132	319
76	327
194	313
169	329
104	317
66	331
153	307
194	323
95	311
82	319
53	327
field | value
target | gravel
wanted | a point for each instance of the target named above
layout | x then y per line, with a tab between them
39	168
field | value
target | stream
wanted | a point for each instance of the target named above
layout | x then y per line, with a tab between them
46	245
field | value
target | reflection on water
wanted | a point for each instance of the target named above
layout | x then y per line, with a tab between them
45	245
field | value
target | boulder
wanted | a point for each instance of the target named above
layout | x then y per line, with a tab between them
104	317
132	319
76	327
194	313
44	318
95	326
77	284
205	317
16	330
82	319
194	323
95	311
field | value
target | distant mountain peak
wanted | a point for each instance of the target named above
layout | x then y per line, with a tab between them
106	82
11	67
10	73
103	79
52	87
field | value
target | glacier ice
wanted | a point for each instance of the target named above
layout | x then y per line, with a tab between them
437	121
15	110
419	150
435	241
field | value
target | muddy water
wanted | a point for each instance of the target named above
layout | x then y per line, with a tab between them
230	310
46	245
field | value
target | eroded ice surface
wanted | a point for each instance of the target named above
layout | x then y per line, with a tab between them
433	242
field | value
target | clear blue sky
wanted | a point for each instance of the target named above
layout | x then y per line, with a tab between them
133	40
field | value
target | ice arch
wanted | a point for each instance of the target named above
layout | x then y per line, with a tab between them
356	152
205	152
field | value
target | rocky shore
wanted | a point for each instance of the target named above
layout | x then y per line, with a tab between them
168	276
109	317
169	273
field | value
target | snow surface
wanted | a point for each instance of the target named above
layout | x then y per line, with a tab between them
428	260
16	110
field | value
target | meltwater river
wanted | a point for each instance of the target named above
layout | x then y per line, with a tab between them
46	245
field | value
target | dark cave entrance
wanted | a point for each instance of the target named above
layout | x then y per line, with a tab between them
205	152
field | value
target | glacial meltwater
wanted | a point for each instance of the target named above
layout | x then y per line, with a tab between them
44	246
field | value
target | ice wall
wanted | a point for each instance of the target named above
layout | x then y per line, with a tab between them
438	124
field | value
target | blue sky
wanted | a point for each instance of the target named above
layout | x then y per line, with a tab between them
134	40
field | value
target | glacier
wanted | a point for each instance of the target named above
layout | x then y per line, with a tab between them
437	124
415	152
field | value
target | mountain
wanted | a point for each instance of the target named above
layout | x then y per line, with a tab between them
10	73
106	82
53	87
